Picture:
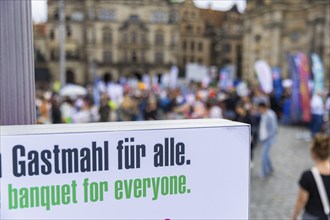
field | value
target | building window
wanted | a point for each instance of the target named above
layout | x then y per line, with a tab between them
72	55
184	45
134	37
134	57
77	16
107	58
189	29
320	50
56	16
39	57
200	46
107	35
125	38
174	17
69	55
92	35
52	35
192	59
239	49
125	56
227	48
70	76
294	36
91	13
134	18
259	3
143	38
239	28
159	17
52	55
173	40
200	61
192	45
107	14
257	38
159	57
184	60
159	38
68	31
143	57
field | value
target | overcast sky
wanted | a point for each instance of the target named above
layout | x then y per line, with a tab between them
39	7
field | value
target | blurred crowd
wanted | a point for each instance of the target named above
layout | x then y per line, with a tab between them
133	100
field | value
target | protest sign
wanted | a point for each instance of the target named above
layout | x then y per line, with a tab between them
190	169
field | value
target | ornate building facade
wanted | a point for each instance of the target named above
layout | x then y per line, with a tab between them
126	37
134	37
195	45
273	29
225	29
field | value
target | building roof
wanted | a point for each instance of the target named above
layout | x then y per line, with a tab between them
40	29
234	8
212	17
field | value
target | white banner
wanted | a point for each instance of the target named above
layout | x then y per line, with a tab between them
264	73
194	169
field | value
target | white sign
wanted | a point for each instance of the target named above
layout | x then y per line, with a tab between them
190	169
174	73
196	72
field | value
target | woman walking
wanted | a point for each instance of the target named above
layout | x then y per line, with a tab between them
309	197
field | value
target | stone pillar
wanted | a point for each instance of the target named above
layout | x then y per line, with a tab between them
276	38
17	86
247	74
62	31
326	52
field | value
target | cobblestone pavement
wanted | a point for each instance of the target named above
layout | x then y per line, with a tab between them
274	197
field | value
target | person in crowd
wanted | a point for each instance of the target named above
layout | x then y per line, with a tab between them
286	106
275	105
199	111
67	110
214	110
44	111
128	109
260	97
267	135
317	110
93	109
83	113
56	111
255	118
242	115
104	109
151	110
309	198
230	103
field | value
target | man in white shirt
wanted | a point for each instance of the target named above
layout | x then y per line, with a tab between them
267	134
317	110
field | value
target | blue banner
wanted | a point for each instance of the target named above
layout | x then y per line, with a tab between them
277	83
295	112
